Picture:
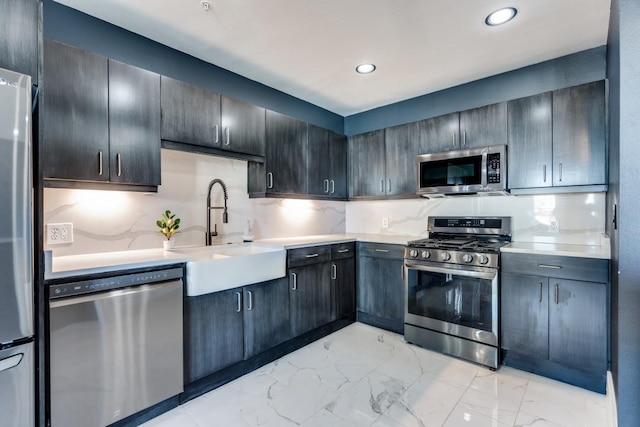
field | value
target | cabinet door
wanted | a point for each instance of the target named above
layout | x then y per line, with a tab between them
439	133
243	127
530	142
190	114
75	114
310	297
381	288
19	37
483	126
266	316
286	157
402	145
319	166
134	125
524	305
579	135
339	163
214	332
367	164
343	287
578	324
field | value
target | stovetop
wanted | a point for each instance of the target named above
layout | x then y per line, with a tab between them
459	244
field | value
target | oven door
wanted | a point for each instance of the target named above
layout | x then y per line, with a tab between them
456	300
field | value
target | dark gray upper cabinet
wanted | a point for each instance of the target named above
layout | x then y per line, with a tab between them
579	135
530	141
266	316
402	145
578	324
243	127
439	133
524	315
380	286
75	114
190	114
19	37
327	163
134	125
483	126
367	172
286	154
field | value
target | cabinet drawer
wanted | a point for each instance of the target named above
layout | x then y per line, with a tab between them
381	250
309	255
343	250
562	267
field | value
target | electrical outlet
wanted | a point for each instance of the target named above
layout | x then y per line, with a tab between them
385	222
59	233
553	226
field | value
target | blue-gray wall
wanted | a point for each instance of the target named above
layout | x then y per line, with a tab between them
69	26
571	70
623	71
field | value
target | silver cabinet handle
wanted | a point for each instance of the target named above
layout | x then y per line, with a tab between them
554	267
227	136
464	138
217	132
382	250
342	251
326	185
99	162
544	173
119	162
269	180
382	185
333	187
312	255
239	300
389	185
560	172
334	271
250	307
556	293
453	138
294	287
540	293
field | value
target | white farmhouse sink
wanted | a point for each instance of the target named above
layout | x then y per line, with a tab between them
220	267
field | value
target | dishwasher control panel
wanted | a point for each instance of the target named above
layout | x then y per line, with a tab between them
115	282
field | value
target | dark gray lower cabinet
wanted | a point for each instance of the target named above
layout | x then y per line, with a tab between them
309	297
556	325
224	328
381	295
343	280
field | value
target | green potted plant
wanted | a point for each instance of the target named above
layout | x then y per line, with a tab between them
168	225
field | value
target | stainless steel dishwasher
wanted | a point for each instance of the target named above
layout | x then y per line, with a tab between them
115	346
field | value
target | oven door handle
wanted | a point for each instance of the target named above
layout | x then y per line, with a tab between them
489	275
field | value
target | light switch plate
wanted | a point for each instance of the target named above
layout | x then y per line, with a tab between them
385	222
59	233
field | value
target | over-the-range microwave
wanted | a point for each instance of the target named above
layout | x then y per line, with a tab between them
472	171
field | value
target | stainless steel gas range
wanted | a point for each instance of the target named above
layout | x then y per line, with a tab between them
452	283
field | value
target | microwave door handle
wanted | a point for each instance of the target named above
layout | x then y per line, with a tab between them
484	169
466	273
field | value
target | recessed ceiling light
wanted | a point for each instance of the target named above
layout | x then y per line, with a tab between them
501	16
365	68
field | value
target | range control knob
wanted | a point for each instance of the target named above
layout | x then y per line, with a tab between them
484	259
446	256
413	253
426	254
467	258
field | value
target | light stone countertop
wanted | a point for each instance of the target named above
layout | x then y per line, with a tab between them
602	251
326	239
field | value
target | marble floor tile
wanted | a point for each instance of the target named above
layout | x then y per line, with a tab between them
364	376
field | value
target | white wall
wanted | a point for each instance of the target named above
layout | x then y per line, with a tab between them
113	221
581	217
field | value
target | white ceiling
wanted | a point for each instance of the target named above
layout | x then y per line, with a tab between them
310	48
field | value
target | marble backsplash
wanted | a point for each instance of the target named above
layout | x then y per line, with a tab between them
105	221
580	216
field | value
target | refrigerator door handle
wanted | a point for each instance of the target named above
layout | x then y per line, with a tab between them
11	362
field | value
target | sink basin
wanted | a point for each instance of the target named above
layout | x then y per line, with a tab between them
220	267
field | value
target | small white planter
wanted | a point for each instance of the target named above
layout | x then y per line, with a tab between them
168	244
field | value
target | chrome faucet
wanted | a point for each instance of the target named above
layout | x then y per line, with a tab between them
225	215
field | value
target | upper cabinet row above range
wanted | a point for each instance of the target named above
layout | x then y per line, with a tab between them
104	123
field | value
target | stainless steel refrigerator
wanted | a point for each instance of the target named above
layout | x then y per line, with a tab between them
17	369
